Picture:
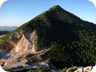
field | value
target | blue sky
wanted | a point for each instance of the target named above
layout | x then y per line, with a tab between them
17	12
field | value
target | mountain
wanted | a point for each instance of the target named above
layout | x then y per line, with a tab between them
7	28
4	32
54	39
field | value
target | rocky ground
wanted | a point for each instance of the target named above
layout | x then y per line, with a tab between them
28	60
33	59
25	60
81	69
2	36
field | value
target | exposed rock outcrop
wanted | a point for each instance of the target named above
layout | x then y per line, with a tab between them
54	38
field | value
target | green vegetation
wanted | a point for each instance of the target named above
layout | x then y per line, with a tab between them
29	70
63	70
36	70
32	24
67	70
73	40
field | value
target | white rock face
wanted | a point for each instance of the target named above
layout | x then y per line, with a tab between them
1	69
22	44
81	69
94	69
26	42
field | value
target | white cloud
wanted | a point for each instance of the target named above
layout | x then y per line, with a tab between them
94	2
2	1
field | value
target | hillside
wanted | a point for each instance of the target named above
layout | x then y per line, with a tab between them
7	28
54	38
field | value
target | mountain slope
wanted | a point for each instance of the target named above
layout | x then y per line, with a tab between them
63	38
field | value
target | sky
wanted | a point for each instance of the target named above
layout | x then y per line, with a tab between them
18	12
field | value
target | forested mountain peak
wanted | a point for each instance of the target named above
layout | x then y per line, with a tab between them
55	35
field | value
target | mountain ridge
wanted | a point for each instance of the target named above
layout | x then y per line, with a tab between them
66	39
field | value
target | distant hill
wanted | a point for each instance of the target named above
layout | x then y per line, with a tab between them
7	28
54	38
4	32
